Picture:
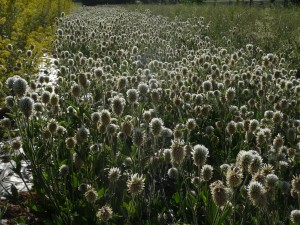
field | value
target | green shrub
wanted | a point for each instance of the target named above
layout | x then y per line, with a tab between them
25	24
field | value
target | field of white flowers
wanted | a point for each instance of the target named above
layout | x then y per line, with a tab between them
149	122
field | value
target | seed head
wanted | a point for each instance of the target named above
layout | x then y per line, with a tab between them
230	94
173	173
82	135
70	142
52	126
138	137
75	90
295	216
234	177
255	190
9	101
296	183
191	124
132	96
46	97
177	151
219	193
255	164
156	126
117	105
271	181
207	172
91	195
105	117
26	106
16	144
6	123
64	170
200	154
127	127
19	86
105	213
114	174
135	184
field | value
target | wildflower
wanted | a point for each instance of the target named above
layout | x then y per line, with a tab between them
52	126
82	79
173	173
132	96
255	164
26	106
95	117
98	72
255	190
295	216
19	86
10	82
9	101
191	124
105	117
167	155
64	170
147	115
166	132
234	177
6	123
82	135
207	172
105	213
207	86
114	174
91	195
271	180
200	154
219	193
117	105
143	88
127	127
70	142
177	152
45	97
278	142
138	137
230	94
16	144
122	81
156	126
135	184
296	183
231	127
75	90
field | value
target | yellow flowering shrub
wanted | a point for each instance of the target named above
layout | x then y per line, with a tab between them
26	25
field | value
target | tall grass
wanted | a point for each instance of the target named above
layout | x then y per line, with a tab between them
274	29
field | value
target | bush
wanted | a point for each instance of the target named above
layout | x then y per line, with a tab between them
26	26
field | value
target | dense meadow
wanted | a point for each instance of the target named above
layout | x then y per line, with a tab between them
161	117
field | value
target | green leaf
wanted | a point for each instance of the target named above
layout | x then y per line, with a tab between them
203	197
101	193
227	212
176	197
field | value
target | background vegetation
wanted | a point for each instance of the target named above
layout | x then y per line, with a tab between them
273	29
26	25
151	122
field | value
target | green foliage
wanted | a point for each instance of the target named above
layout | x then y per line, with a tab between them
153	120
273	29
27	25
